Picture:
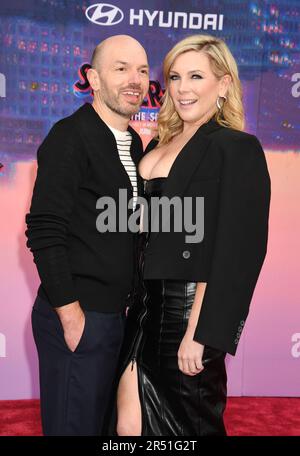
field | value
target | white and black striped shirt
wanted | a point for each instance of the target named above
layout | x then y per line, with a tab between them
124	139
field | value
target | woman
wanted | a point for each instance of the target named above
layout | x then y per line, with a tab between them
194	298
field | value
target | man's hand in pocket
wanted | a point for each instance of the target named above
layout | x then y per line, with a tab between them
73	320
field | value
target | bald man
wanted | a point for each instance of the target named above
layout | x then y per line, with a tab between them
86	275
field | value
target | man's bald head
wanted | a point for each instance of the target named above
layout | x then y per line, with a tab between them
119	76
122	44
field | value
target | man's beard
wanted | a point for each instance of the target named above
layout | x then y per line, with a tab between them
113	104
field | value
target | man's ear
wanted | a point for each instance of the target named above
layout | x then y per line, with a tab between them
93	78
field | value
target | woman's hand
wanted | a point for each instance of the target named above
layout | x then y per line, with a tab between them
190	355
190	352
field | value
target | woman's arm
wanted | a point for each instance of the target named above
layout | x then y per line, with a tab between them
240	244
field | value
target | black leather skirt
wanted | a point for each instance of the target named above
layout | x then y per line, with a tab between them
172	403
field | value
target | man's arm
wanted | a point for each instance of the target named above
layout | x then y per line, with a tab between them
60	170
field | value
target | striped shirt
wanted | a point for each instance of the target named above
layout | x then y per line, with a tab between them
124	139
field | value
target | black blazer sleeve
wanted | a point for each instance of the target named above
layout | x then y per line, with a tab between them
240	244
60	168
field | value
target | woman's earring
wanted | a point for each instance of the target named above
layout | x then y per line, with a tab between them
218	102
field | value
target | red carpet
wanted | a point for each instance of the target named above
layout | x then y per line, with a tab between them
245	416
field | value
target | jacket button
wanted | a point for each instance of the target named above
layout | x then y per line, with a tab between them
186	254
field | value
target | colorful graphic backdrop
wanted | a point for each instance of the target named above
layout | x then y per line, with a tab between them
45	46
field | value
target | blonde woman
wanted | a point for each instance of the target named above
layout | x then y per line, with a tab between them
194	299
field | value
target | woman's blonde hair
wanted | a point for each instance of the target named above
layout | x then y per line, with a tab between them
222	63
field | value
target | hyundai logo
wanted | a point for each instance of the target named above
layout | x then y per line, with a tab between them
104	14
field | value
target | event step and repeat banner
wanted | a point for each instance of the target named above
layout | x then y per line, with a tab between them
45	49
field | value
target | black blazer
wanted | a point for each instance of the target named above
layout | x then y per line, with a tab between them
228	168
78	162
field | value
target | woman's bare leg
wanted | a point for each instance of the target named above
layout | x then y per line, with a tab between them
128	404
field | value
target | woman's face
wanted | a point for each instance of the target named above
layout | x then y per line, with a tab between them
193	87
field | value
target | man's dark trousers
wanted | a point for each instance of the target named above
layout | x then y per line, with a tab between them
75	387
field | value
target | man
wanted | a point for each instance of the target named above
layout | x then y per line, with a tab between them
86	275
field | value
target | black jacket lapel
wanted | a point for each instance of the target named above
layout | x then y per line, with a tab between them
185	164
136	152
99	133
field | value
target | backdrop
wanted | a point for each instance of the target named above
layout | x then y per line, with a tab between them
44	49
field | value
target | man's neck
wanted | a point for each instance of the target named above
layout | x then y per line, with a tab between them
110	118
